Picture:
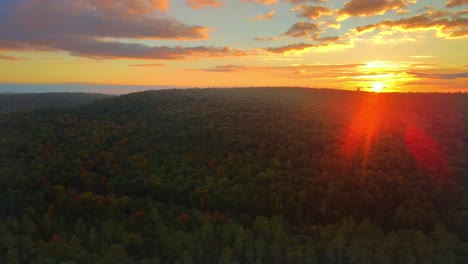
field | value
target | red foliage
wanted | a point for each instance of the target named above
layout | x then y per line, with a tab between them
55	238
183	217
139	214
216	217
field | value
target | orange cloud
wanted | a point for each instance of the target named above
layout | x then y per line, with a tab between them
312	12
331	24
160	5
265	2
267	16
302	69
304	1
329	39
457	27
320	43
224	68
197	4
148	65
6	57
362	8
454	3
121	7
269	2
444	76
291	47
322	74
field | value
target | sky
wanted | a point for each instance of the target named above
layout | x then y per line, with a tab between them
374	45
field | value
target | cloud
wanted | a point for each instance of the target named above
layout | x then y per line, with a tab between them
269	2
197	4
267	16
291	47
51	19
444	76
454	3
312	12
15	45
117	50
303	29
160	4
331	24
331	72
350	75
363	8
391	36
11	58
92	28
325	42
115	7
434	13
224	68
421	56
453	28
304	1
266	38
265	2
329	39
148	65
460	13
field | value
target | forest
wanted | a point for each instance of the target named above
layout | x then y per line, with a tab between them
244	175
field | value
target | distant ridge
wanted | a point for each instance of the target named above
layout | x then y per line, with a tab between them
13	102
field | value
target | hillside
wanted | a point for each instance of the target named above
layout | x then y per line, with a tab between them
11	102
237	176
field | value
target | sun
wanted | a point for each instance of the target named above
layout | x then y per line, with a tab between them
377	87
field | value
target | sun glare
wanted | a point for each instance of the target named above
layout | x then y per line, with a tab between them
377	87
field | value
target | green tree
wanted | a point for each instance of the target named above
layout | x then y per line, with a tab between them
227	257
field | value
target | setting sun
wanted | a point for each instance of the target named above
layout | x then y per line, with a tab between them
377	87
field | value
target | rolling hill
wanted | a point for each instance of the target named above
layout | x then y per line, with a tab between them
265	175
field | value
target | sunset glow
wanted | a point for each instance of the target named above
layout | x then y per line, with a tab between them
376	46
377	87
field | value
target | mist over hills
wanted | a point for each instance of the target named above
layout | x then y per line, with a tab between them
264	175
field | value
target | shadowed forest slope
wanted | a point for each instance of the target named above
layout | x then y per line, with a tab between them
237	176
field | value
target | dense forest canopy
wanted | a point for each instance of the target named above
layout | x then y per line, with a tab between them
237	176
